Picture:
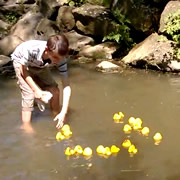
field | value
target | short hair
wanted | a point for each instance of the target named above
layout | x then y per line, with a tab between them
59	44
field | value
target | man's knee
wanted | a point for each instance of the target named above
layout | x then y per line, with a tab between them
27	104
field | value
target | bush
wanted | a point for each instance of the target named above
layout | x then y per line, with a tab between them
122	31
172	26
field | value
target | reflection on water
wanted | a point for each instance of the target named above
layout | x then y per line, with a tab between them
96	97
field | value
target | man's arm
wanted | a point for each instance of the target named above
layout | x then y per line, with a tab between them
38	92
66	98
66	95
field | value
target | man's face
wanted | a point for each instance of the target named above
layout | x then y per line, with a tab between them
55	57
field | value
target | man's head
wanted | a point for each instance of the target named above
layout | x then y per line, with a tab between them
57	47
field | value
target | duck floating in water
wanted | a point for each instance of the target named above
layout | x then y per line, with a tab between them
118	117
69	151
131	121
126	143
60	136
132	149
114	149
100	149
127	128
64	133
87	151
137	124
78	149
157	138
145	131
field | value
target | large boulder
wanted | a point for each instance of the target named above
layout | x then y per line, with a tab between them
4	60
8	44
65	19
93	20
100	51
144	17
45	28
25	28
170	8
155	52
48	7
17	6
77	41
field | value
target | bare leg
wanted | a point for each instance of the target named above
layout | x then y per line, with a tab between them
26	116
26	119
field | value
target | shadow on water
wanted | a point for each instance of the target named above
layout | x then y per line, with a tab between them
151	96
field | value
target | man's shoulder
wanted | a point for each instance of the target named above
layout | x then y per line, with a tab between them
33	42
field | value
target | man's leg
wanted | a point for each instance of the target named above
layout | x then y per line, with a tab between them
27	98
26	116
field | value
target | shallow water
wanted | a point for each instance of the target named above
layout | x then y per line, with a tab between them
153	97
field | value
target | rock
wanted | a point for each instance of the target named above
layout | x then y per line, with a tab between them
77	41
144	17
65	19
25	28
44	29
49	7
106	66
100	51
4	60
93	20
8	44
154	52
18	8
174	65
4	25
171	7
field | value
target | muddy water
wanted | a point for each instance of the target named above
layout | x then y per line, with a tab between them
153	97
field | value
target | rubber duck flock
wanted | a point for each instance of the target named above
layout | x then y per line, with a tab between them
134	124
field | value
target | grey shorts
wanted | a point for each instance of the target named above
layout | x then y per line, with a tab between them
43	79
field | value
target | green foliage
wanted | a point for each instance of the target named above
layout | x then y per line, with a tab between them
177	53
76	3
121	32
11	17
172	27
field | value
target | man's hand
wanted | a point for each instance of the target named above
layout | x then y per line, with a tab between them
60	117
38	94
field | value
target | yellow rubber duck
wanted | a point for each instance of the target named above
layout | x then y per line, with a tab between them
114	149
145	131
60	136
121	115
126	143
127	128
157	138
87	151
107	151
72	151
66	127
132	149
68	151
78	149
116	117
137	124
131	121
100	149
67	133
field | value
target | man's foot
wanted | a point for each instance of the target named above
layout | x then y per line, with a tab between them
27	128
